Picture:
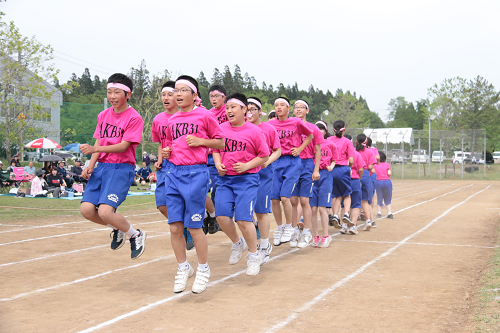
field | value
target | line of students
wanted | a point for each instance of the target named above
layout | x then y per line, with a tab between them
248	165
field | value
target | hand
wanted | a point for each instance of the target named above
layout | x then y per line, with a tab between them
193	141
87	172
221	168
330	168
240	167
88	149
315	176
165	152
157	165
296	151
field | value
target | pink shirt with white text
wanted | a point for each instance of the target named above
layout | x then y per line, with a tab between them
271	136
310	149
289	133
159	128
328	154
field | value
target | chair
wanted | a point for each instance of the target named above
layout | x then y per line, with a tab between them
19	175
5	182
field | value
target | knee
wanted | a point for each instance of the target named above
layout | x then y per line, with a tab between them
88	212
177	228
105	215
285	200
295	201
304	201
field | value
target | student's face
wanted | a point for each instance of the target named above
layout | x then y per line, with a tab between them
117	97
300	110
323	131
253	113
235	113
168	100
184	96
54	172
281	109
216	99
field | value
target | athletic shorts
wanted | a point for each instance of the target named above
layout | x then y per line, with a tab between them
286	176
356	193
305	185
322	191
236	196
186	194
161	183
366	187
109	184
214	174
384	192
341	181
374	179
263	200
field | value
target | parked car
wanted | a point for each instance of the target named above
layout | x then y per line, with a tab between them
460	157
480	158
420	156
496	155
437	156
396	156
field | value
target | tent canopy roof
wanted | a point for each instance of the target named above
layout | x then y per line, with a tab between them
390	135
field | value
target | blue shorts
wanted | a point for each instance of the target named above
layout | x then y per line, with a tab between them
374	179
305	185
263	201
214	174
162	183
236	196
356	193
366	187
286	176
341	181
384	192
186	194
109	184
322	191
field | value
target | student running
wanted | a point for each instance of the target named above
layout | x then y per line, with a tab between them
366	182
384	186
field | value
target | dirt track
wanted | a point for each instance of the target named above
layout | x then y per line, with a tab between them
415	273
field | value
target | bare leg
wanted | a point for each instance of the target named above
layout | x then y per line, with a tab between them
210	205
366	209
108	216
336	205
287	209
347	202
163	210
227	225
178	241
314	221
389	208
200	243
354	215
264	224
324	220
89	212
294	201
306	211
249	233
276	208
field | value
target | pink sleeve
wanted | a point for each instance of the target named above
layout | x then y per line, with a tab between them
373	159
168	138
317	136
273	138
350	150
303	129
133	132
261	147
154	131
213	129
96	132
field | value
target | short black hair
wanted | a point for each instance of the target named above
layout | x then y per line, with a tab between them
237	96
272	115
123	79
257	99
190	79
219	88
348	136
302	100
383	158
168	84
286	99
368	142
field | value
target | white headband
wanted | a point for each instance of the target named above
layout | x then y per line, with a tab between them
282	100
169	89
254	101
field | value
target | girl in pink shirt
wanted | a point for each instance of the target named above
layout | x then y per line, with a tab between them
384	186
366	181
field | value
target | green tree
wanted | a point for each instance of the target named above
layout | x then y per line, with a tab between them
216	77
348	108
202	80
238	83
227	80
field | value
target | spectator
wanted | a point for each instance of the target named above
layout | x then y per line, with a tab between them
63	173
1	166
144	173
16	160
38	185
12	166
29	169
76	171
55	181
146	159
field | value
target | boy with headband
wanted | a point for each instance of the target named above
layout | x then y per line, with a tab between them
287	167
263	201
118	132
190	133
238	164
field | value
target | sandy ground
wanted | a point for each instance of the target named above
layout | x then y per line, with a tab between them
415	273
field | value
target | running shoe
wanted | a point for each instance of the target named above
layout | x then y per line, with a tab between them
258	232
301	223
181	279
347	219
368	226
266	253
253	263
362	217
137	244
287	234
305	239
325	241
237	252
330	220
353	230
379	215
205	224
374	225
118	239
316	241
336	222
344	229
201	280
294	240
189	240
277	237
390	216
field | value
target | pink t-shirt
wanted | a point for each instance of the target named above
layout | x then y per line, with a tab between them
368	157
197	122
113	128
358	163
289	133
242	144
159	128
328	154
271	136
310	149
220	114
345	149
382	170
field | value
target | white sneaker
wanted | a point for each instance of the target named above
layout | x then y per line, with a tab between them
181	279
294	240
266	253
237	252
287	234
325	241
344	229
304	240
277	237
353	230
201	280
253	263
368	226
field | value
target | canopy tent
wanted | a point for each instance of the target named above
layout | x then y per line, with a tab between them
390	135
43	143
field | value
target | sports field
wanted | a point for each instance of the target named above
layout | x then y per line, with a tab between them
415	273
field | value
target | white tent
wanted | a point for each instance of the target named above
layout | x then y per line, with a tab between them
390	135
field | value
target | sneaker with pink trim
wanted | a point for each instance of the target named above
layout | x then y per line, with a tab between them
316	241
325	241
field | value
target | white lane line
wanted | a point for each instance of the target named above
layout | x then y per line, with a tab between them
428	244
409	195
325	292
165	300
72	233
